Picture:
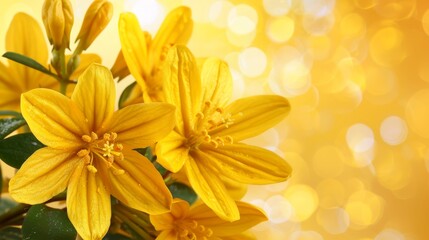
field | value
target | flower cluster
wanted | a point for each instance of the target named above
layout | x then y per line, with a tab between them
160	165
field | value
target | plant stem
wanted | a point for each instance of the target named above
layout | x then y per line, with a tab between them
13	212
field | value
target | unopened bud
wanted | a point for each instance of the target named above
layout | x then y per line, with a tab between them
58	19
96	19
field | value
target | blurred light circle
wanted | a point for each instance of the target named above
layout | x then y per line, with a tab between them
252	62
238	84
393	130
396	9
306	235
304	201
387	47
353	25
365	4
333	220
360	137
218	13
364	208
389	234
280	30
199	9
242	19
417	113
425	21
315	25
278	209
149	13
277	7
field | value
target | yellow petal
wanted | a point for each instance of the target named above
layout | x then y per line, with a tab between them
242	236
171	152
85	61
120	68
208	186
165	221
54	119
253	115
141	186
217	82
249	217
95	95
43	175
9	91
175	29
88	203
248	164
134	47
141	125
182	86
25	36
167	235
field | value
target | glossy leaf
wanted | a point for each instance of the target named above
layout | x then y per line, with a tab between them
42	222
182	191
16	149
126	94
29	62
8	125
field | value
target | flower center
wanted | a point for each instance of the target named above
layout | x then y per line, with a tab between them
192	230
106	150
208	122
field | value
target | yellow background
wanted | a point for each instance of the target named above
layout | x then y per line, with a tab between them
357	75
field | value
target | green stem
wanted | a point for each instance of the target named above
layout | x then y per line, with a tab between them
13	212
140	231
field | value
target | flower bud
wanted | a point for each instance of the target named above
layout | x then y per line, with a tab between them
96	19
57	17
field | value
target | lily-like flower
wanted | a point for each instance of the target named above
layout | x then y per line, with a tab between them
143	56
96	19
200	222
24	36
58	19
90	152
205	143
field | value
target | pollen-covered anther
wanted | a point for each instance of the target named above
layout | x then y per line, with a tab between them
219	110
86	138
199	115
91	168
229	139
82	153
118	171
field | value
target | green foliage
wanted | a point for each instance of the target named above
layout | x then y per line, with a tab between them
10	233
27	61
126	94
6	204
115	236
183	191
8	125
16	149
42	222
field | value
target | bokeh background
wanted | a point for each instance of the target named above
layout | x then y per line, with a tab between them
357	75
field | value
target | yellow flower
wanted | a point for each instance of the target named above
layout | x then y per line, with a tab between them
205	143
58	17
96	19
89	152
144	56
200	222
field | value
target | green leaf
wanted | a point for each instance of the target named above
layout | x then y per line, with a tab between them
183	191
16	149
27	61
10	233
10	113
6	204
8	125
115	236
126	94
147	152
42	222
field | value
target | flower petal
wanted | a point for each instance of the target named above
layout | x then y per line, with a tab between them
25	36
217	81
171	152
175	29
134	47
253	115
54	119
120	68
182	86
141	186
43	175
95	95
165	221
167	235
85	61
9	91
208	186
88	203
248	164
249	217
141	125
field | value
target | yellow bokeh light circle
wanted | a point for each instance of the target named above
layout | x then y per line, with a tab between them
391	171
393	130
390	234
277	7
353	26
304	201
364	209
331	193
149	13
425	21
218	13
387	46
281	29
328	161
306	235
278	209
396	9
417	113
333	220
365	4
360	138
242	19
252	62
